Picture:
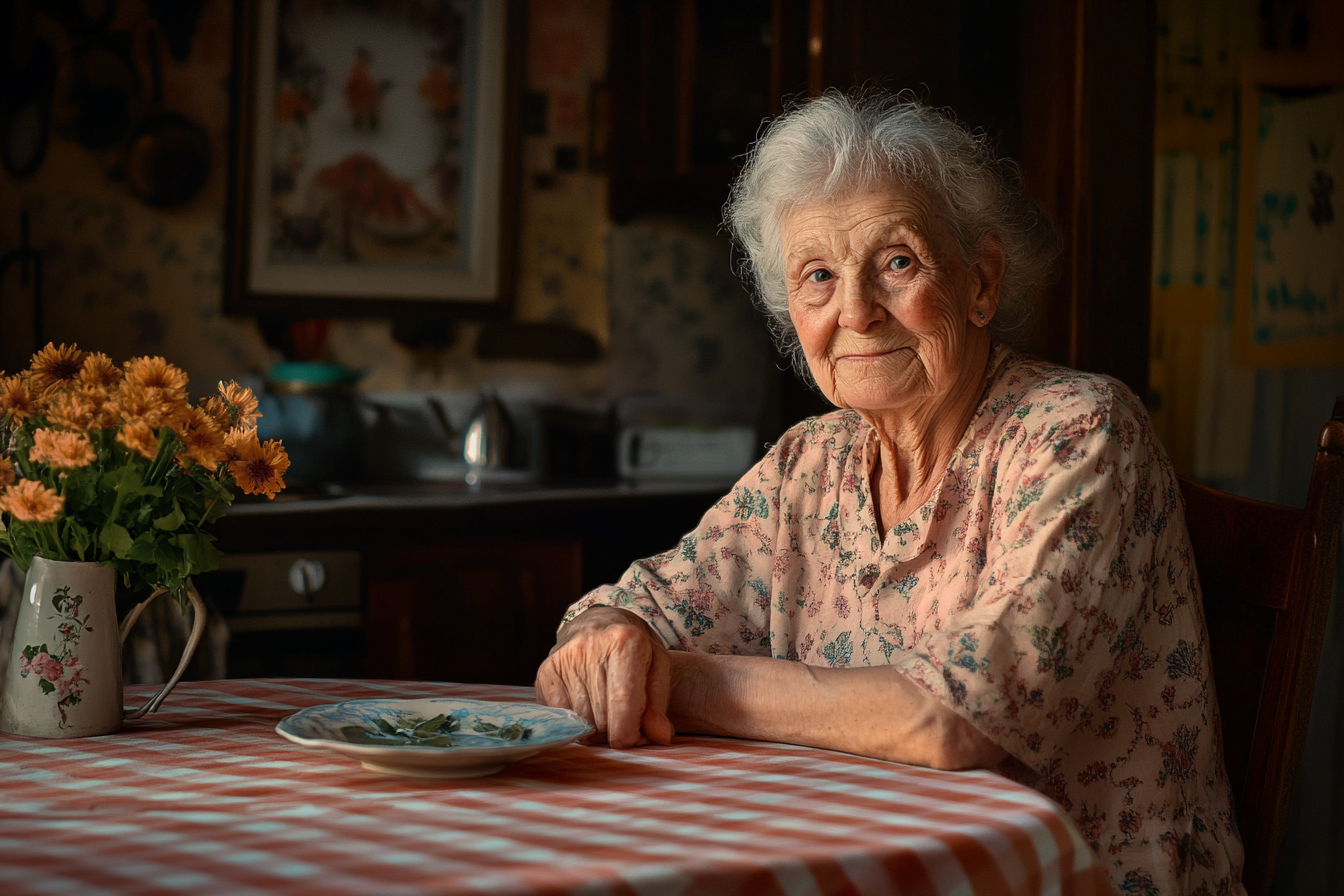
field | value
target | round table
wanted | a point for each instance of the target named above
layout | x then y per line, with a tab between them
204	797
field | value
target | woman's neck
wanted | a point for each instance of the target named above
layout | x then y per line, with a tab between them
916	445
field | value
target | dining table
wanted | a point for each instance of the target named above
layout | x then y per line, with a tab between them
205	797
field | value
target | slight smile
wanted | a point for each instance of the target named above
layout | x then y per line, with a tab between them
862	357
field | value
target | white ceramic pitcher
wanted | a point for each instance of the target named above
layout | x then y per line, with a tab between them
64	675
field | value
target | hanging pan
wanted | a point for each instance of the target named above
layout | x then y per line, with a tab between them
168	154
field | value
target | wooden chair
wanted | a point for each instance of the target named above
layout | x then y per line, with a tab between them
1266	573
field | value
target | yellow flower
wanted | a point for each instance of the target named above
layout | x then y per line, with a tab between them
260	468
155	406
29	501
99	370
218	411
137	436
72	409
241	405
204	439
63	450
6	471
55	366
156	373
17	397
235	441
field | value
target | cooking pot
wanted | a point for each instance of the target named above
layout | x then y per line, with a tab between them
310	406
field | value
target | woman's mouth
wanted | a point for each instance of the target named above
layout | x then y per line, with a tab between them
876	354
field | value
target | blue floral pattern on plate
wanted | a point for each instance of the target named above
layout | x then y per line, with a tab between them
407	737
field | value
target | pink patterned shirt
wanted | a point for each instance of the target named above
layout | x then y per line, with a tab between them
1046	592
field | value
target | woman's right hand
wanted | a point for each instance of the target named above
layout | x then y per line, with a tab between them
610	668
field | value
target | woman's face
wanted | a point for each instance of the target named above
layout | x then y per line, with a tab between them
885	308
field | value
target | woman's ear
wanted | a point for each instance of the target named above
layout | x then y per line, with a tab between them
989	269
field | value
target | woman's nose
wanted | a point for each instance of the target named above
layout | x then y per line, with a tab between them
859	305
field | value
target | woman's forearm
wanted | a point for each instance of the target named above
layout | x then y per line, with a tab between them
869	710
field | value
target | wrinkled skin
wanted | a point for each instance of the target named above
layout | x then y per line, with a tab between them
893	324
610	668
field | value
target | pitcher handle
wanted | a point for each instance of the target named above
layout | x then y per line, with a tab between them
197	630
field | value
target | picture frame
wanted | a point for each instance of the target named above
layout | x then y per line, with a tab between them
1286	310
375	157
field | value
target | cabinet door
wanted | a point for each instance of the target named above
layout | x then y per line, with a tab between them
690	82
471	612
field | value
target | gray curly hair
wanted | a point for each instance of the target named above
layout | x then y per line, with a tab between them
836	145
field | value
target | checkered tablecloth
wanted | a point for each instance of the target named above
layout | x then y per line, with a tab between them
204	797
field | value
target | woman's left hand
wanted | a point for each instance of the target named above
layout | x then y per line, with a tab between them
610	668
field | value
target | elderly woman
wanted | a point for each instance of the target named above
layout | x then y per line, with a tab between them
978	561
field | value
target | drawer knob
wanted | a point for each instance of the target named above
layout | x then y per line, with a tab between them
307	577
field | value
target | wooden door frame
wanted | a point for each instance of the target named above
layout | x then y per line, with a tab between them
1089	84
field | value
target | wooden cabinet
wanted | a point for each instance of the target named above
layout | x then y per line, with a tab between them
1064	86
474	612
690	82
468	589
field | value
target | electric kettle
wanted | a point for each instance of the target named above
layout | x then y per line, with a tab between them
488	445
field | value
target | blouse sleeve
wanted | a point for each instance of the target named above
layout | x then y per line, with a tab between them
1083	593
711	591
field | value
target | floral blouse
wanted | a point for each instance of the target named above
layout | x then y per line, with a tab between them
1046	592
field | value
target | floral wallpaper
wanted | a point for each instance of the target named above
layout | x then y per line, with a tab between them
127	278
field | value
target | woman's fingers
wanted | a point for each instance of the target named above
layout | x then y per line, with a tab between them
626	673
600	670
657	727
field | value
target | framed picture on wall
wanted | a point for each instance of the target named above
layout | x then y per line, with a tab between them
1289	301
374	157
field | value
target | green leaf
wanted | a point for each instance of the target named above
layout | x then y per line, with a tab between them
199	551
47	687
429	726
169	522
129	484
442	740
116	539
80	539
142	550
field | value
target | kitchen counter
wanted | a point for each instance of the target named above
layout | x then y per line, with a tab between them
438	580
403	496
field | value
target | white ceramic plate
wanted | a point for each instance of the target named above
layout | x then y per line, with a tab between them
434	737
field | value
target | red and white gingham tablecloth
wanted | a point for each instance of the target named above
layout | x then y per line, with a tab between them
204	797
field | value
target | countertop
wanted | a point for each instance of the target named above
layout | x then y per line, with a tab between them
435	495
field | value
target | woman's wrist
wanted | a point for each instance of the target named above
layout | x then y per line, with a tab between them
695	698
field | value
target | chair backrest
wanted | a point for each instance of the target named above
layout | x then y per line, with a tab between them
1266	573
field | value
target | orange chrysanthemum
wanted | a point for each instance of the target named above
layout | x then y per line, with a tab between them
137	436
63	450
241	404
55	366
157	373
105	411
99	370
204	439
73	409
18	398
29	501
6	471
218	411
155	406
236	441
260	467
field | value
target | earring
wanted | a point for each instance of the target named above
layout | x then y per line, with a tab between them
983	318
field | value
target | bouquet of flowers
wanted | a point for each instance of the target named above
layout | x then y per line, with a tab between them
108	464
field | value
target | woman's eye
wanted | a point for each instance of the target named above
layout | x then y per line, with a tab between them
821	275
901	262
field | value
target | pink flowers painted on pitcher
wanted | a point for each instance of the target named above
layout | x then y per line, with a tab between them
60	673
